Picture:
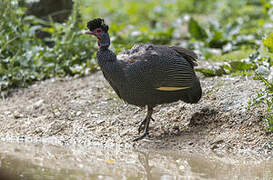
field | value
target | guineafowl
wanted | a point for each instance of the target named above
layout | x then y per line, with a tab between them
147	74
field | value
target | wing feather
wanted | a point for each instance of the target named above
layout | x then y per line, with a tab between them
179	74
189	55
161	68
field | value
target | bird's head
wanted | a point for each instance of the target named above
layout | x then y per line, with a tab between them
98	28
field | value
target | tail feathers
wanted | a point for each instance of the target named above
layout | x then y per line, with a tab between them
194	94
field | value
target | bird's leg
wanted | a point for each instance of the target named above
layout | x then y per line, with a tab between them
145	122
141	124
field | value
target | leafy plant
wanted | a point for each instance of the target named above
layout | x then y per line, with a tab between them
265	97
25	58
268	42
196	31
244	66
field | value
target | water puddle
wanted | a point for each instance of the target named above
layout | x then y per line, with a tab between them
38	161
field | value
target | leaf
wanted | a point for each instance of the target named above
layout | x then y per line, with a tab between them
35	20
241	66
49	29
34	28
196	30
268	42
206	72
217	40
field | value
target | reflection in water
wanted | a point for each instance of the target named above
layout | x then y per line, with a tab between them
144	160
37	161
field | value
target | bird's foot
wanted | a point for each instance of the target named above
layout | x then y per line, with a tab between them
141	136
142	123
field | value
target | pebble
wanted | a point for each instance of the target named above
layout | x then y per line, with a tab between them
7	113
38	104
78	113
99	121
123	133
17	115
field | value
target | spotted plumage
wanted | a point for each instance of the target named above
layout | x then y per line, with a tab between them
147	74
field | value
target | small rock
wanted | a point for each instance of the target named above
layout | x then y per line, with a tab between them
38	104
57	113
17	115
175	127
7	113
213	147
218	141
78	113
124	132
99	121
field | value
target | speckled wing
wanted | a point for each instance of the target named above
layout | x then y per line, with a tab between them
115	88
176	75
160	68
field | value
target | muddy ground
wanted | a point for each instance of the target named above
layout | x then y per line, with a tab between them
86	111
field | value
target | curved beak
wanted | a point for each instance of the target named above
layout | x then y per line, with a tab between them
87	32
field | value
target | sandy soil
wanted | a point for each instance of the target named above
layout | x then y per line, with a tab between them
86	111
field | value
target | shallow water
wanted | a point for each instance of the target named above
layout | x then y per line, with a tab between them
39	161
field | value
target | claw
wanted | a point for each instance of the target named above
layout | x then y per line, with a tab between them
141	136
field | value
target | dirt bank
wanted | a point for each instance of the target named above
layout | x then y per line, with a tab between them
87	111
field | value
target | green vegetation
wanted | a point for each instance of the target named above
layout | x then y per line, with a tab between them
236	32
265	96
25	58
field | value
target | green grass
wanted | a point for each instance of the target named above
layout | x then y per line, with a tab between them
233	55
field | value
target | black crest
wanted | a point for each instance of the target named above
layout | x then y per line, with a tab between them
97	23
